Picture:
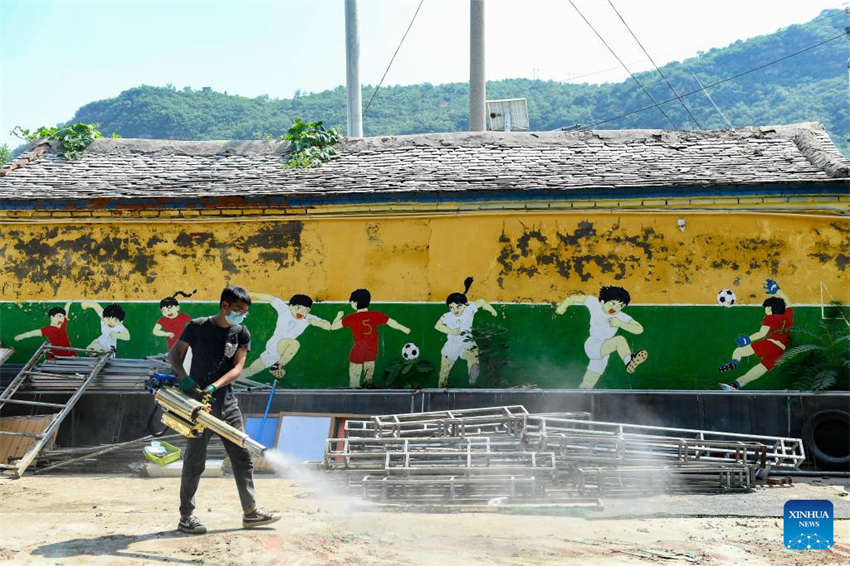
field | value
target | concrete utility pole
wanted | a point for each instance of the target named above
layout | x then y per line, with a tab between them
477	83
354	105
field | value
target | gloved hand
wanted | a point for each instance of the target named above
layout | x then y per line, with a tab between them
210	389
743	340
771	286
188	385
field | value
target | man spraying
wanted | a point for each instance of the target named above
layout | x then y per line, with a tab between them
219	344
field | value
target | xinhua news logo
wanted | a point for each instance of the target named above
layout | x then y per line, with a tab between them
808	524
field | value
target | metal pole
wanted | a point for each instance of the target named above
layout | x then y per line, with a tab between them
106	450
477	84
266	413
354	105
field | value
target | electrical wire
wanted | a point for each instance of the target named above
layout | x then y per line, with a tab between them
645	52
640	84
716	107
387	70
726	80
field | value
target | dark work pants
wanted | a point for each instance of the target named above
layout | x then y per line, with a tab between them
194	460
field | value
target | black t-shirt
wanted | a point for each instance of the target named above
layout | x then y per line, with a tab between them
213	348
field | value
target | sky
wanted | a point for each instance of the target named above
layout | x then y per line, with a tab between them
57	55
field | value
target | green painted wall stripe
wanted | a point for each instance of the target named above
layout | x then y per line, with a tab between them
686	344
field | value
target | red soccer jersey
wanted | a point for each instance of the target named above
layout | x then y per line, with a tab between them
780	326
58	336
364	327
175	326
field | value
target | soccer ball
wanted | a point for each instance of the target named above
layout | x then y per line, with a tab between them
410	351
726	298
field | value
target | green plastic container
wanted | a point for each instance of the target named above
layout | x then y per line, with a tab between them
172	454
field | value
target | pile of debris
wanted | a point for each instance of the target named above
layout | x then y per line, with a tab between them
507	455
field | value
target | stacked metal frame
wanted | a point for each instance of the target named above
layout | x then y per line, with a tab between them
505	454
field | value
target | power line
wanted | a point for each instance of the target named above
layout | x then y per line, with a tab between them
410	25
599	72
640	84
645	52
716	107
726	80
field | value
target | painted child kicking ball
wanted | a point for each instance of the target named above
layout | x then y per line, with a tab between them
363	325
768	343
112	328
457	326
606	317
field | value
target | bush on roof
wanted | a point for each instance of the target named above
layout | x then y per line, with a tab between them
312	143
73	138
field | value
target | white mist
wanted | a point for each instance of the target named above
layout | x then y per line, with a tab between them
330	494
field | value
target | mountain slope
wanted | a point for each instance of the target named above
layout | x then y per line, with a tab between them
808	87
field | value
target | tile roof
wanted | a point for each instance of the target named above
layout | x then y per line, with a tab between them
432	163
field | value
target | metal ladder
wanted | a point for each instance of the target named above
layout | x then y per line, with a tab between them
99	360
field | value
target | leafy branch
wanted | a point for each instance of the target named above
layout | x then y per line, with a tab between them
822	361
493	351
409	374
312	144
73	139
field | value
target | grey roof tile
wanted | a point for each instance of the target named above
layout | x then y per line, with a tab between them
490	161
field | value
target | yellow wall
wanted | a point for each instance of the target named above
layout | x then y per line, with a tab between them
514	256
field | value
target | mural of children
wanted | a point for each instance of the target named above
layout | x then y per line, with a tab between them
457	326
56	332
293	318
172	323
606	317
364	328
111	327
769	343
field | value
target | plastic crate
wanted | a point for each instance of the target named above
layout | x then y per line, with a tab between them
172	454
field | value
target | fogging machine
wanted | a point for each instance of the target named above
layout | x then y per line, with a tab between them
189	417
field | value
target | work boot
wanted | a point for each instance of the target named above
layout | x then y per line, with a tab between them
191	525
258	518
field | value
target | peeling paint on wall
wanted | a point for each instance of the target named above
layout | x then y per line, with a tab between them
515	257
652	255
414	263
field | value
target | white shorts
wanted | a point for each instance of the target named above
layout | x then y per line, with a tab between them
456	346
593	350
271	355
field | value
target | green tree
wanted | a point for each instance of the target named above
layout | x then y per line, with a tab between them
807	87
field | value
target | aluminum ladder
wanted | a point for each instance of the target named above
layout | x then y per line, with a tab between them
99	360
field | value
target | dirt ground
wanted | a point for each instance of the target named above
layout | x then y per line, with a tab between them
74	519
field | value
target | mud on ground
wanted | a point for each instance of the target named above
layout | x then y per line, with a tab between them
73	519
